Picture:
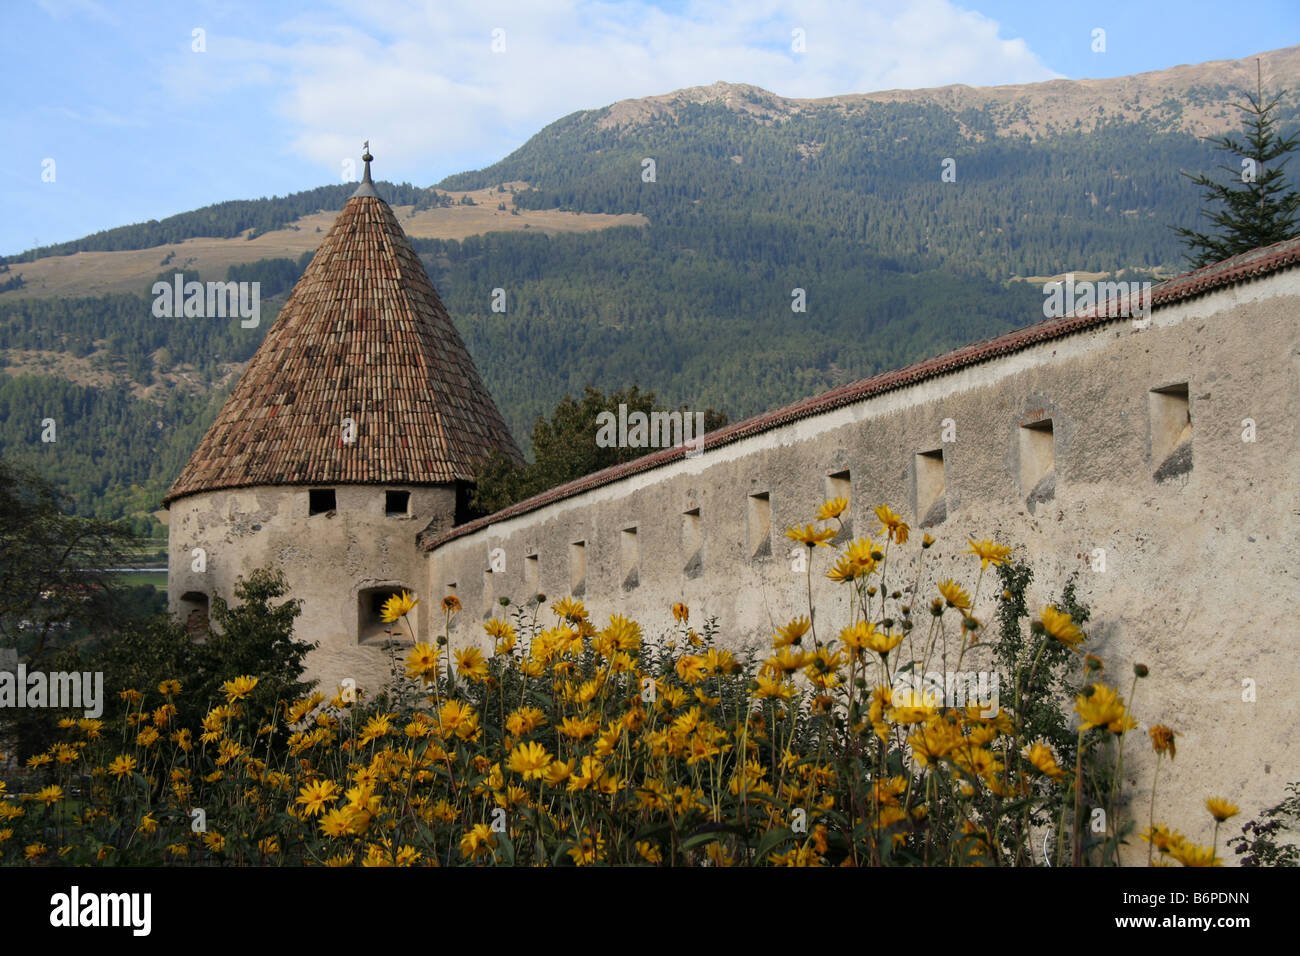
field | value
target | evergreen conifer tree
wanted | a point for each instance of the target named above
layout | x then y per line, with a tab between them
1255	207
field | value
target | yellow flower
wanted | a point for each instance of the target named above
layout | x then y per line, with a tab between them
832	509
504	633
792	633
681	612
649	852
862	554
147	737
810	535
530	760
336	822
690	668
376	727
1189	854
148	824
470	664
238	688
558	772
450	604
786	662
1103	708
1221	809
34	850
316	794
954	595
477	842
864	635
588	774
397	606
845	570
988	552
570	609
587	852
1162	838
1162	740
773	687
121	766
169	688
525	721
458	719
799	856
1060	626
422	660
407	856
49	795
215	841
1043	758
578	728
891	524
623	633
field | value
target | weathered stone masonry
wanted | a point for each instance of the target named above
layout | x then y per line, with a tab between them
1134	438
1104	450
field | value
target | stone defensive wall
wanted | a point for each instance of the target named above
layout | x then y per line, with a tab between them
1152	458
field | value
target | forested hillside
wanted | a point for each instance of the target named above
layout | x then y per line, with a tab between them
751	198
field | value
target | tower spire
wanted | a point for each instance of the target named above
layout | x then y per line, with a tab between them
367	186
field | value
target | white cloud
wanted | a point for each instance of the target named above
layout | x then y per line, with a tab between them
422	81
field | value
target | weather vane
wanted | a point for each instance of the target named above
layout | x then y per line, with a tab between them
366	158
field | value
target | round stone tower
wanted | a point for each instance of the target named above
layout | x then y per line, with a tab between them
358	424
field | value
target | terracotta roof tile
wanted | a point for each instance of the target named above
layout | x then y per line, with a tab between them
363	336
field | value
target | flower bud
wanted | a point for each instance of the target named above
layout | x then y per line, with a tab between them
1140	670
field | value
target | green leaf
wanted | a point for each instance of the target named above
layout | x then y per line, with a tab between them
771	840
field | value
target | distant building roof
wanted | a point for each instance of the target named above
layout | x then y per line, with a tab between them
1242	268
364	337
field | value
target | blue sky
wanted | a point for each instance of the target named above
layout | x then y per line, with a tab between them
140	124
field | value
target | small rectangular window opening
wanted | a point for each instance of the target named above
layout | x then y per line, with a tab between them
760	524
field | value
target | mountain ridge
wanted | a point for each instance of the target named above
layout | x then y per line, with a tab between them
773	252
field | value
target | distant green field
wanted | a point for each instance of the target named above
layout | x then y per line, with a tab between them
156	578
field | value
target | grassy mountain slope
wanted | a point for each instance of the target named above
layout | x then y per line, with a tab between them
688	292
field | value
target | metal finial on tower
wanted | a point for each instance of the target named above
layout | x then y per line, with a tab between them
367	187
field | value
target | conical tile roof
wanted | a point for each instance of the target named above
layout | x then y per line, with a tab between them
365	337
